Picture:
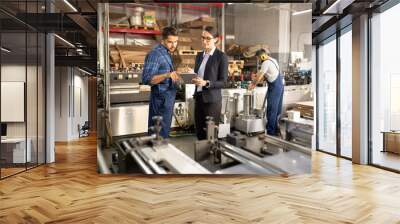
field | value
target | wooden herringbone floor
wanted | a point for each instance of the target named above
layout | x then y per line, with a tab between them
70	191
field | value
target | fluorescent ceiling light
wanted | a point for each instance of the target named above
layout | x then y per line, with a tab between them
65	41
86	72
5	49
330	7
70	5
301	12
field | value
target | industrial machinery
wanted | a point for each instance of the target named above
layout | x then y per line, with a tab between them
235	154
297	77
250	121
250	155
153	155
125	87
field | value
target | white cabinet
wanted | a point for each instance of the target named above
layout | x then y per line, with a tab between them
16	147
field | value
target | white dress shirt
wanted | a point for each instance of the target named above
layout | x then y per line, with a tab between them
202	67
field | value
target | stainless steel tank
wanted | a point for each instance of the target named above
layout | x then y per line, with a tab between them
247	103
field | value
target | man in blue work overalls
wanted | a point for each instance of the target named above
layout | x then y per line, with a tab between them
158	72
270	71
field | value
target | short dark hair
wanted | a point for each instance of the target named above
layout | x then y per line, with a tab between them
169	31
212	30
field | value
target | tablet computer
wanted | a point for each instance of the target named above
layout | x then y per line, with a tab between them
187	77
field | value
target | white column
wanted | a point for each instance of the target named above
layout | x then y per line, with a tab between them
284	34
360	90
50	99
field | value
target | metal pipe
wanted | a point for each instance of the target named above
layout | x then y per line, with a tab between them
286	144
245	161
151	163
246	103
140	162
156	167
252	159
101	163
236	102
223	27
127	146
147	138
106	28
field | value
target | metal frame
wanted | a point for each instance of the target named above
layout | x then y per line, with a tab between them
0	90
338	98
381	9
339	32
369	78
326	40
44	73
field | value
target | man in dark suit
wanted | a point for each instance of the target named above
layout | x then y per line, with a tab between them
211	67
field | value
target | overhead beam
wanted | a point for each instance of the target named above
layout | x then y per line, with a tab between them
83	61
84	24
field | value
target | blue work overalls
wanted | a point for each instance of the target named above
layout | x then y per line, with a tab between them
162	96
274	104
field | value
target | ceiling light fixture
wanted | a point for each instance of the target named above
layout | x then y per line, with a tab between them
70	5
301	12
5	50
64	40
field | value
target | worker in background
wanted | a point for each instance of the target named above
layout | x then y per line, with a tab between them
211	67
270	71
160	74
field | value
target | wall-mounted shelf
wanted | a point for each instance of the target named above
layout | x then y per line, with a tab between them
134	31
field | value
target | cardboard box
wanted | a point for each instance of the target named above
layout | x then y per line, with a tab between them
191	33
149	18
207	18
197	24
293	115
183	47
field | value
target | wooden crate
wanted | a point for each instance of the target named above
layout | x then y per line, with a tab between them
185	39
155	27
126	55
187	52
120	25
197	24
306	109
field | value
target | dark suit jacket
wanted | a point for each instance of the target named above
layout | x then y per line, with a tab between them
216	71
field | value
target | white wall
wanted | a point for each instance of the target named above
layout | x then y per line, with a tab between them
301	31
14	73
271	24
33	126
71	87
254	25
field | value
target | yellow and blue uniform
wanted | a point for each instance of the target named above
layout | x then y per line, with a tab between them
162	98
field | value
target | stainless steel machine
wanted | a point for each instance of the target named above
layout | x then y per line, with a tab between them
241	154
250	120
236	154
125	88
153	155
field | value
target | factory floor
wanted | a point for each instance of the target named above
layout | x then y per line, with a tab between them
71	191
185	144
292	161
